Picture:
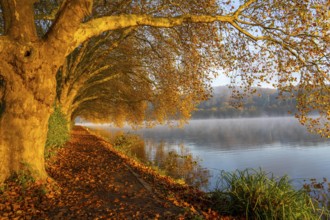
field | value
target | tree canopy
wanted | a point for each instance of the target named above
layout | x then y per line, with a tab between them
151	60
135	81
276	42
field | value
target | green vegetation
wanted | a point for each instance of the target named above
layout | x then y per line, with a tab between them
58	132
23	178
129	144
259	195
320	190
164	53
179	164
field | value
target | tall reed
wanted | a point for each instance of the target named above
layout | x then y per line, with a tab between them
256	194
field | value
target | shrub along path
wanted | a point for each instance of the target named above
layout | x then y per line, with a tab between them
92	181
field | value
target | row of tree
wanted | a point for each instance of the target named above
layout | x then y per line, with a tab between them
132	61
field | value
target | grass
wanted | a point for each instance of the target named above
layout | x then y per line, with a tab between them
58	132
128	144
24	176
256	194
319	190
179	165
252	194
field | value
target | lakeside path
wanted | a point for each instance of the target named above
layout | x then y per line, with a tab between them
93	181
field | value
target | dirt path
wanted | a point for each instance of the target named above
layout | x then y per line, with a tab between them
97	183
94	182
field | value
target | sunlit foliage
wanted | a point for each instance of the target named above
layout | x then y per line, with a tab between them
147	73
164	65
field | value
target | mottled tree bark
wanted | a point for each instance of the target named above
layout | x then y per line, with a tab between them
28	67
28	98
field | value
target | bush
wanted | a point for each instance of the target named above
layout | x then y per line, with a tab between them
129	144
255	195
58	132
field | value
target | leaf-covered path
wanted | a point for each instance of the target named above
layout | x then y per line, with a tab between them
97	183
93	182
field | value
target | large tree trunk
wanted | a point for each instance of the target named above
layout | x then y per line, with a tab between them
29	93
28	66
23	137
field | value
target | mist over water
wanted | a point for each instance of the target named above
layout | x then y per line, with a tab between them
229	134
277	145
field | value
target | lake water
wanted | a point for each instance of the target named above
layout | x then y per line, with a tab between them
278	145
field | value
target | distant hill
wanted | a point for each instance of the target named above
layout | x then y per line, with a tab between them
265	102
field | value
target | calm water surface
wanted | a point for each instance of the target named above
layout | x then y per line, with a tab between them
278	145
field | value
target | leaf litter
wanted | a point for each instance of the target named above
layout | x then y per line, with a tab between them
91	180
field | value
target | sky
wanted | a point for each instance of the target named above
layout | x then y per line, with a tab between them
221	80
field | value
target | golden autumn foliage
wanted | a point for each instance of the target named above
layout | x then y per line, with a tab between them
93	180
131	61
274	42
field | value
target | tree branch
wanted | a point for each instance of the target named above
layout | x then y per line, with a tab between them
283	44
92	74
50	16
82	91
77	59
19	20
66	23
242	8
76	104
100	81
99	25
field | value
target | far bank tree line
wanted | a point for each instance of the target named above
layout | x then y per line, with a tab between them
264	102
135	61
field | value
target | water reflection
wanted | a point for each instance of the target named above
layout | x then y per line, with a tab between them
177	162
278	145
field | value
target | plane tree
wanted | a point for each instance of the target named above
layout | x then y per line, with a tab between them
144	58
280	42
138	80
88	66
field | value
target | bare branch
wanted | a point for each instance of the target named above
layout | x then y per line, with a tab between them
243	7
